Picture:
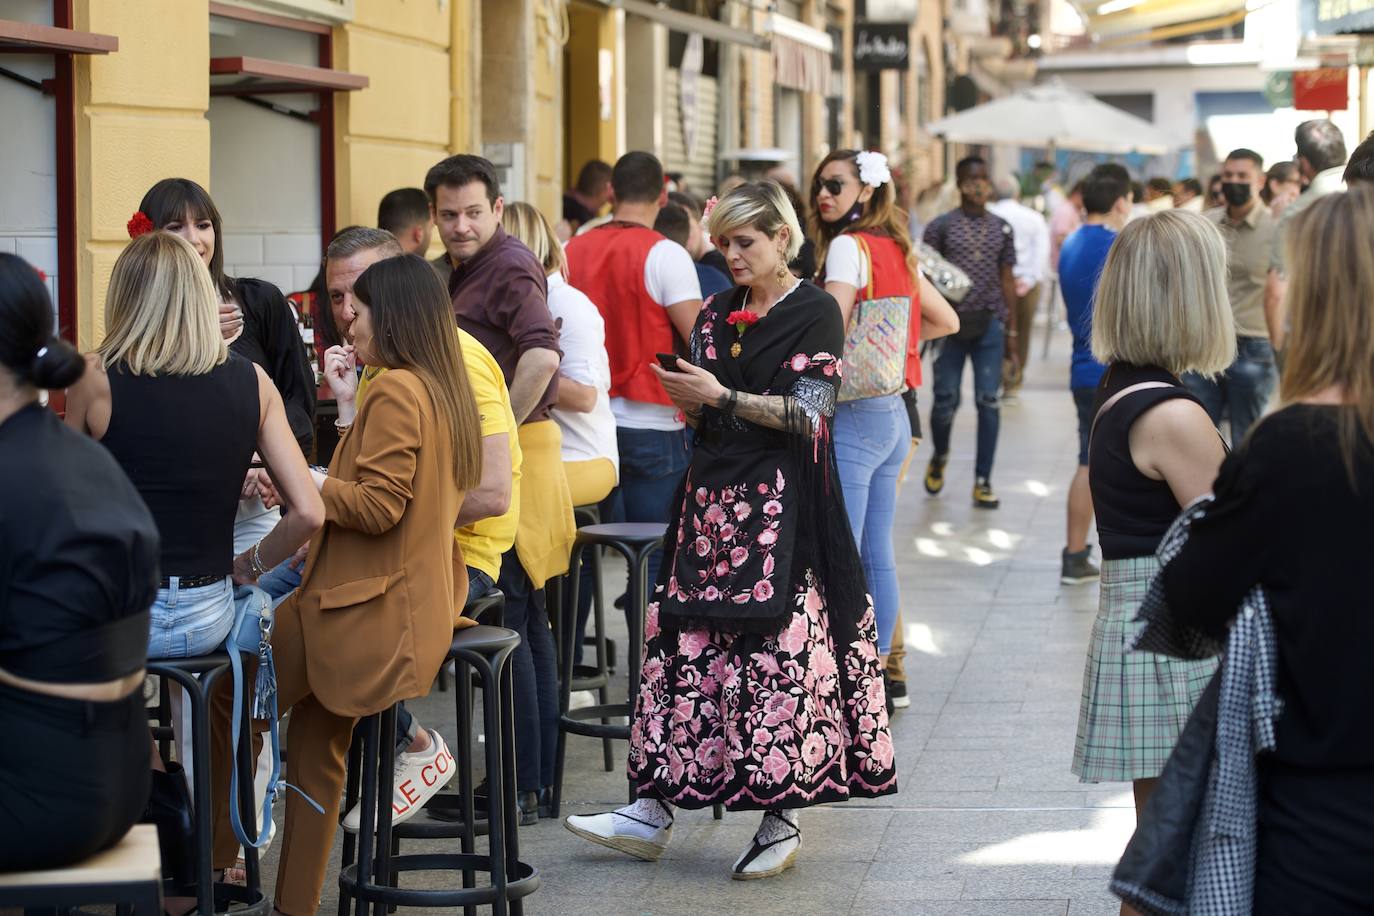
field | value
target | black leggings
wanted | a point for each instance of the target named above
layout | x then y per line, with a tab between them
74	776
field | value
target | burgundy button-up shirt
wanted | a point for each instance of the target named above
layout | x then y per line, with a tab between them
500	296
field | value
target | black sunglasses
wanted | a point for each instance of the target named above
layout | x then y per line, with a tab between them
834	185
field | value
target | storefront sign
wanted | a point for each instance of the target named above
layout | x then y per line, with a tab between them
1336	17
881	46
1326	89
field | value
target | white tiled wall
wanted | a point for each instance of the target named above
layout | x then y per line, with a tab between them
40	251
289	260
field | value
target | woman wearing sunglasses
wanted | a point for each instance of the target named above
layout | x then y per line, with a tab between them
870	267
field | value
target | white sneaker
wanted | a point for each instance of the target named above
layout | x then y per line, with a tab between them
641	830
773	850
417	778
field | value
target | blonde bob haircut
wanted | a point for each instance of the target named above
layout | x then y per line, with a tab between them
1330	302
162	311
761	205
529	225
1162	297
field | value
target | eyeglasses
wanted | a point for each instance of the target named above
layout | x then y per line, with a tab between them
834	185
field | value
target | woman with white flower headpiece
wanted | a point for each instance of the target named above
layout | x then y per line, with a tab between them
870	267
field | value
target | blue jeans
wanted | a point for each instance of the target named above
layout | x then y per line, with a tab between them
652	462
986	354
871	441
534	676
187	622
1243	390
281	580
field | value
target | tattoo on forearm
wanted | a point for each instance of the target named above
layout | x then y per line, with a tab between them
770	410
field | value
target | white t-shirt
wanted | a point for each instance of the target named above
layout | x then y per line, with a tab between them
582	338
670	277
845	263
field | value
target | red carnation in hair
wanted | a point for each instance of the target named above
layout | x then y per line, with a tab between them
140	224
42	276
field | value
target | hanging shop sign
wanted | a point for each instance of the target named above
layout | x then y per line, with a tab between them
882	46
1337	17
1326	89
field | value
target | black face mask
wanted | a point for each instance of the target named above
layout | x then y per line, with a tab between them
852	215
1236	194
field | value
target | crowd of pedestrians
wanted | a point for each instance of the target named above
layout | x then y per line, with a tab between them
742	371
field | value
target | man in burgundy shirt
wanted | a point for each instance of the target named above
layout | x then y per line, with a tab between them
500	296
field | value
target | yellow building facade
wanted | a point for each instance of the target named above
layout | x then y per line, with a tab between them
284	178
299	115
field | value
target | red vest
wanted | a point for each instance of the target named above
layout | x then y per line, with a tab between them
607	263
888	276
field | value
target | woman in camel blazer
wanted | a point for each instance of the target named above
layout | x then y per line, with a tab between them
374	615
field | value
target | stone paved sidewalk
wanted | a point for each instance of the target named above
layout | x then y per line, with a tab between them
989	819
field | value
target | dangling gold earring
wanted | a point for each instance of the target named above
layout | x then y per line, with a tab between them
783	272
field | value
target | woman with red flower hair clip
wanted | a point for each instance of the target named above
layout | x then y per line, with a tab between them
255	318
760	688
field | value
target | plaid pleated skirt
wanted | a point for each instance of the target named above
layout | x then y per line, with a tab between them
1134	704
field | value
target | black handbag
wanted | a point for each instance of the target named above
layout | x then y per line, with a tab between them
169	808
1153	874
973	325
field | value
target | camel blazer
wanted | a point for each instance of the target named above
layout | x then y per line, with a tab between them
384	581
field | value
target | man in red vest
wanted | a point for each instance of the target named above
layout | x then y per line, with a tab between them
647	291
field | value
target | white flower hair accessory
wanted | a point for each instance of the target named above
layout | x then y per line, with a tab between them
873	170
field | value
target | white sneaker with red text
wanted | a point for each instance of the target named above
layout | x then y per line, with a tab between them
418	778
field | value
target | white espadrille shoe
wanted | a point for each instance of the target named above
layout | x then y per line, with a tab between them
642	829
773	849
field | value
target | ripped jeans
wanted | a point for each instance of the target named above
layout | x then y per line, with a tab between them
986	355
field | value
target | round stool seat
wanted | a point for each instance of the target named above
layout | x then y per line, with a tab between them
483	640
631	533
478	608
195	664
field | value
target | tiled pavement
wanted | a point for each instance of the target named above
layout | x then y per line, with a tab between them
989	820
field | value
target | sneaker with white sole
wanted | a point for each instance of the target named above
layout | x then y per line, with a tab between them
417	778
642	829
773	849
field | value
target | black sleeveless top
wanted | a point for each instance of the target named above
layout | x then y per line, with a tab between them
186	442
1133	511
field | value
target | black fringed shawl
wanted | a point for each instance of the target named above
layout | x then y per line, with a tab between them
761	507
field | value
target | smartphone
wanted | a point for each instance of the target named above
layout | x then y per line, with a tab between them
668	361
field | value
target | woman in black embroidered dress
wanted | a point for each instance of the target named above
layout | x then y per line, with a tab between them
760	687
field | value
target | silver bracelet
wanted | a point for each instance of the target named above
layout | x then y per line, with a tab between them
256	560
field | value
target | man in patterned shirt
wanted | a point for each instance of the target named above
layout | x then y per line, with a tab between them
982	245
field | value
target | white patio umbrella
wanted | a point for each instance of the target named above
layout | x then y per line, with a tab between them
1053	115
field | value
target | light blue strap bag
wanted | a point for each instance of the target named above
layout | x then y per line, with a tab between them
254	615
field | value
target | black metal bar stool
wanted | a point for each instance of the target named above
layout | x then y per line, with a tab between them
198	676
371	880
128	874
596	676
634	541
489	609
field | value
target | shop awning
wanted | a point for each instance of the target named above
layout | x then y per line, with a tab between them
1156	20
801	55
29	38
688	23
259	76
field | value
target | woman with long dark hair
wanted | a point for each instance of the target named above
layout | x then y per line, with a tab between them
760	687
380	592
867	257
78	571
